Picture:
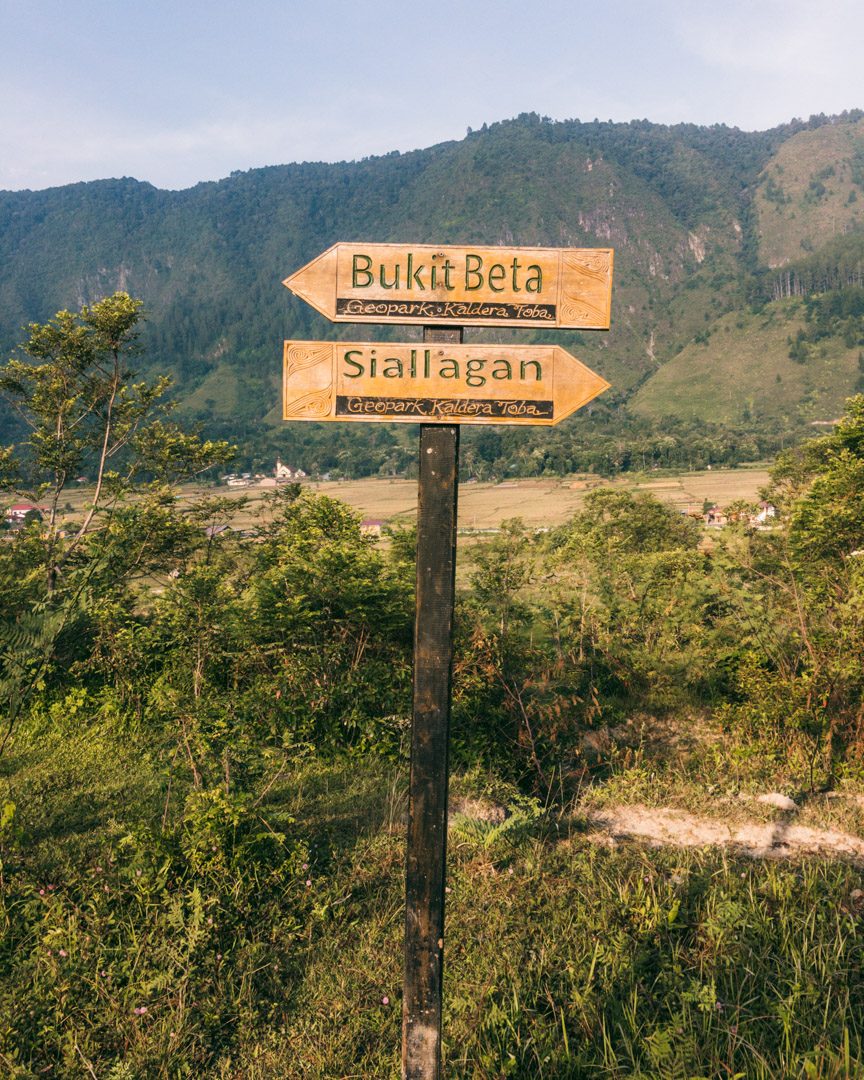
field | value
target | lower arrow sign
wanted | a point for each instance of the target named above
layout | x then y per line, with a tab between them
432	383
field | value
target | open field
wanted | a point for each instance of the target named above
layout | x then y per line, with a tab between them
540	502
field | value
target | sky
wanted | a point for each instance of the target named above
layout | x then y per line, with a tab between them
174	92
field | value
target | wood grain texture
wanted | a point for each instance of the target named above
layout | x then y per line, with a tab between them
464	285
434	382
427	807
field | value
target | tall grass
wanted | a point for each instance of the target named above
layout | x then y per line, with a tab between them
258	936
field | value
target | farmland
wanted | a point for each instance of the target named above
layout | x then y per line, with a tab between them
540	502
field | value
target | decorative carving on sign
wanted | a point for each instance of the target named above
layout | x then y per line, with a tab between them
310	406
483	286
590	275
301	357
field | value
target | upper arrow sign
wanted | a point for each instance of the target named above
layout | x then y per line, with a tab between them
465	286
416	383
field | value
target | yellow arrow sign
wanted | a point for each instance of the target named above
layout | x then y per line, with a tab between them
429	383
463	286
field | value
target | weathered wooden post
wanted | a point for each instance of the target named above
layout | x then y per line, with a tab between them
441	385
426	859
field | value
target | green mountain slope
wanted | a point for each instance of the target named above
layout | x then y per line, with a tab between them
740	372
811	190
693	214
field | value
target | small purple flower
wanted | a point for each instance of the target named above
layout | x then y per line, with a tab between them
308	883
98	869
305	866
385	1001
104	974
63	953
218	955
41	892
137	873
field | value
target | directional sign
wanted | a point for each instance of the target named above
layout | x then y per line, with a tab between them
464	286
432	383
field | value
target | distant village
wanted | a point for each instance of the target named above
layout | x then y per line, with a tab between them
282	474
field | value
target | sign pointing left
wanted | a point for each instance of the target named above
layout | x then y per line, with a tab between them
415	383
459	286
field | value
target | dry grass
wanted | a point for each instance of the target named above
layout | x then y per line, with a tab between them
540	502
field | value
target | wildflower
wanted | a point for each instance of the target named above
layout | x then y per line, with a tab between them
510	871
50	886
62	953
137	873
210	921
305	866
218	955
105	887
385	1001
743	873
308	883
141	1010
104	974
41	892
98	869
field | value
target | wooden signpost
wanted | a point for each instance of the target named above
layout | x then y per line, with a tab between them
434	382
459	286
440	384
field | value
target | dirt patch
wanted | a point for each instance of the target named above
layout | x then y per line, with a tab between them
778	839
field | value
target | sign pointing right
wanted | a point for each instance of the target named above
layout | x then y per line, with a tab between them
414	383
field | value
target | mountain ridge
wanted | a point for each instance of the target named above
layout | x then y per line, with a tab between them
693	214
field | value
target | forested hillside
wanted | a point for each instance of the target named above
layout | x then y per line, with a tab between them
711	227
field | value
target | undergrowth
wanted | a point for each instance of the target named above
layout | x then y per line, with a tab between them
258	935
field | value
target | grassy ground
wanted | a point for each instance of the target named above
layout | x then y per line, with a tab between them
133	952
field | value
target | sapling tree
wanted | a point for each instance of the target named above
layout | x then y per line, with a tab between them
75	392
74	389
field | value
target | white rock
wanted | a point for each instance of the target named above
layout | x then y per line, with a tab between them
774	798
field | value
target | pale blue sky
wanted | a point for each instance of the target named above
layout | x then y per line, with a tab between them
177	91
